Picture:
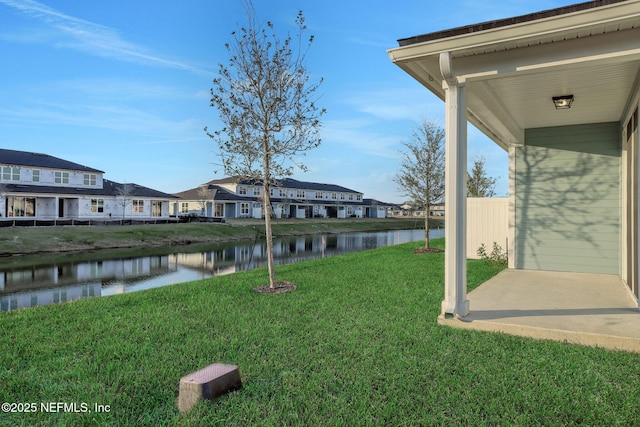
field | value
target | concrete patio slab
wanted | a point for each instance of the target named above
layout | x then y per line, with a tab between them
588	309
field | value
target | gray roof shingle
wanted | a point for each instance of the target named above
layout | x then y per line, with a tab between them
110	188
26	158
490	25
289	183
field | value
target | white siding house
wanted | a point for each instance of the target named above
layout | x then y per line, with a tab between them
229	198
43	187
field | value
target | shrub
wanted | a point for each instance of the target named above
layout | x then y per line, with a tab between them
497	256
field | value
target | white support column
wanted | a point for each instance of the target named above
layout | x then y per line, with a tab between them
455	283
511	235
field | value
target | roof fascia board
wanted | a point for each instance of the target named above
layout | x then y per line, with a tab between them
528	30
597	49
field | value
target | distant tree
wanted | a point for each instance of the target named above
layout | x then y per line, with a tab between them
478	183
124	195
421	175
266	104
4	189
204	195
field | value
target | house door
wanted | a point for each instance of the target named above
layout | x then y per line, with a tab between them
631	211
60	208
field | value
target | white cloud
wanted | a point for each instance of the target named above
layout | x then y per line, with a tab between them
78	34
113	89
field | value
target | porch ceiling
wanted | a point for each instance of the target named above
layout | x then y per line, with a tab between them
511	73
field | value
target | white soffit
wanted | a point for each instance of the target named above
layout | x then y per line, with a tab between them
574	54
600	93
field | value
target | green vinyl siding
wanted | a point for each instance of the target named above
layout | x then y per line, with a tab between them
567	195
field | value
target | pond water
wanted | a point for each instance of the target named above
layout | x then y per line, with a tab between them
48	284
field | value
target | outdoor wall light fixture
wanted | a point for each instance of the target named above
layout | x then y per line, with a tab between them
562	102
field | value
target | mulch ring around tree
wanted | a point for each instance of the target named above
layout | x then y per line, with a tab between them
424	250
280	287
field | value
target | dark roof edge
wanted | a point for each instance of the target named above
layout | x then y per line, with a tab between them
490	25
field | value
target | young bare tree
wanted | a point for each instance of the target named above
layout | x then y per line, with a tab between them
421	175
204	195
267	106
4	189
124	195
478	183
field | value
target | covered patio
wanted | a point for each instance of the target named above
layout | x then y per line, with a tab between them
581	308
559	90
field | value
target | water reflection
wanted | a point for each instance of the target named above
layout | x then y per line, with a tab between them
49	284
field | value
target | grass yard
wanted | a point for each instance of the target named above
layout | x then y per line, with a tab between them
356	344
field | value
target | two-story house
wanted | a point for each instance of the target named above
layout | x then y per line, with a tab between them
230	198
40	186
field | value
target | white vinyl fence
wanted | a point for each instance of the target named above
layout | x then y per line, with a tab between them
487	222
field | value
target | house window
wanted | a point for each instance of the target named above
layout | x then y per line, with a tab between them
341	196
349	210
350	196
21	206
334	196
219	210
138	206
60	177
242	190
10	173
257	191
97	205
156	208
359	197
244	208
35	175
283	193
60	296
90	179
318	194
300	194
10	304
184	207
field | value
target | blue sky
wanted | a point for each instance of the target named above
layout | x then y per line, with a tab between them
123	86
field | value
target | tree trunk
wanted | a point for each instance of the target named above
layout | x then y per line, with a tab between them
266	186
426	227
267	226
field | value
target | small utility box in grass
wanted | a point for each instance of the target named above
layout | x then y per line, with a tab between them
207	383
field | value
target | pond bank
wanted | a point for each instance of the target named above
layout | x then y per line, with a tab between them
34	280
23	240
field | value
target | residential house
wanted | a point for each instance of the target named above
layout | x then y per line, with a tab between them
558	90
408	209
230	198
40	186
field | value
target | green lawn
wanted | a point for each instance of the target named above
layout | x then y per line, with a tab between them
356	344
